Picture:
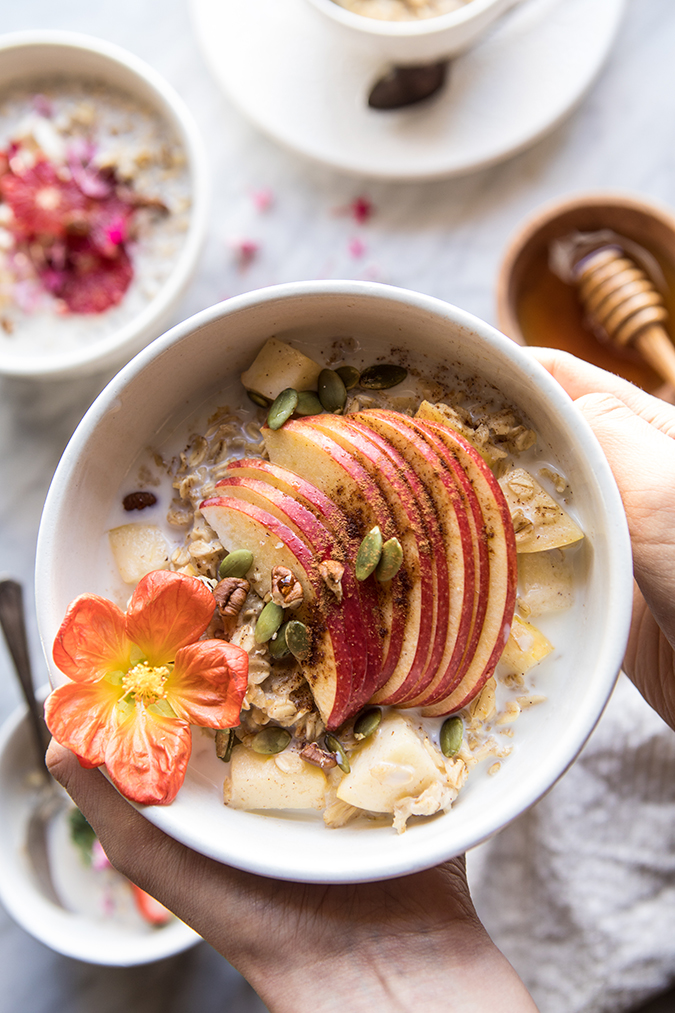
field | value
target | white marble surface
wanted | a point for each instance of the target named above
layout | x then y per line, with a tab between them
444	238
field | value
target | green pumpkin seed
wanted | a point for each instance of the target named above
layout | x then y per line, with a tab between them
226	740
236	564
368	556
282	408
383	376
269	621
367	723
258	399
308	403
452	733
333	745
332	391
349	375
271	740
390	560
277	645
298	639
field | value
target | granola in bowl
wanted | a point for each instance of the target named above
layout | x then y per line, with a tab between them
239	502
126	445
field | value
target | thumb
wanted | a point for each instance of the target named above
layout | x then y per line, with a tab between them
642	459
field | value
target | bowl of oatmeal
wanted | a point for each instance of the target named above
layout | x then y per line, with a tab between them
103	192
412	31
408	531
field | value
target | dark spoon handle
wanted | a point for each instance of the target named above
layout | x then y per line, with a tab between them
14	628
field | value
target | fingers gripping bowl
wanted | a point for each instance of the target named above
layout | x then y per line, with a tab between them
155	402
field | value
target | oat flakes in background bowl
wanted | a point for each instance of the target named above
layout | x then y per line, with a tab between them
103	194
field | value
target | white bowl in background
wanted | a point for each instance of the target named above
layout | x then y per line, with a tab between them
33	55
94	940
203	357
416	41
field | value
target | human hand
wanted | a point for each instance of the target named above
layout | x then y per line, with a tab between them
407	944
637	433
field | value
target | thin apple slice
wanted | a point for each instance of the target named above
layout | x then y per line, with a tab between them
418	531
328	671
303	492
540	523
316	457
463	547
503	567
339	525
323	547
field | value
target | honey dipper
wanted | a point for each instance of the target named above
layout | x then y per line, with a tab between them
621	298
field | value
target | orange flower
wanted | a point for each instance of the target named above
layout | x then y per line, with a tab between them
140	679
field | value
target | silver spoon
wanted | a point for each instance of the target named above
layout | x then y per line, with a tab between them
50	800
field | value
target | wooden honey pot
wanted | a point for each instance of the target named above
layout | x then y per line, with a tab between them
614	305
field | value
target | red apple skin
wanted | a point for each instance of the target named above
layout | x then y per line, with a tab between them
417	525
335	520
346	482
329	669
454	501
323	546
503	569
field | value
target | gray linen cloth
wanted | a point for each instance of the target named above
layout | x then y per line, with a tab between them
579	893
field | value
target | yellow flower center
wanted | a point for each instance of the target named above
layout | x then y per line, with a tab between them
146	682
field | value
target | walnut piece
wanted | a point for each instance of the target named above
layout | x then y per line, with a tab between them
331	573
314	754
230	595
286	588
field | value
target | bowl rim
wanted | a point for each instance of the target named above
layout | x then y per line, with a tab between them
170	105
423	27
64	931
406	855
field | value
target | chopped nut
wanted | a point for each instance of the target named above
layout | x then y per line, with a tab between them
331	573
230	595
286	588
314	754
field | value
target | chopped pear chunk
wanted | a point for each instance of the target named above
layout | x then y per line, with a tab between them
283	781
539	522
394	764
546	582
478	438
278	366
138	549
526	646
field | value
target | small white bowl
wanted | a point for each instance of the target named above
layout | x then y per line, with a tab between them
203	358
419	41
33	55
94	940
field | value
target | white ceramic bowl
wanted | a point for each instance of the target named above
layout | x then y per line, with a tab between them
94	940
204	356
32	55
420	41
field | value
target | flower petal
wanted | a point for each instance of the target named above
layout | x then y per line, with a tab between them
147	754
167	611
80	717
208	683
91	640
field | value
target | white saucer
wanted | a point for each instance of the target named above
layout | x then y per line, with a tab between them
302	84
